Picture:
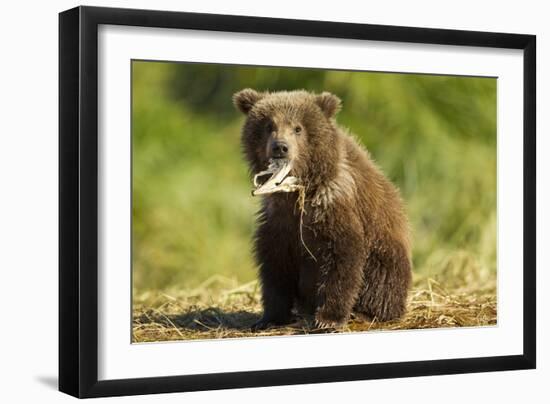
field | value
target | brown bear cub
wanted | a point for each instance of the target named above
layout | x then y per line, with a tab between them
332	236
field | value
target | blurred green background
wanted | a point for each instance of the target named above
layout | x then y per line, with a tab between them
193	215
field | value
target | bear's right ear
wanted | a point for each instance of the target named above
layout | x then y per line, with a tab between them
245	99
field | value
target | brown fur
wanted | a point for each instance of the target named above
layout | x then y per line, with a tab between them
353	220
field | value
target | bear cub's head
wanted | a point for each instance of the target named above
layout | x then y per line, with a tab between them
291	126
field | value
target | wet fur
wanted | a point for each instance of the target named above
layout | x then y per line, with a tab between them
353	220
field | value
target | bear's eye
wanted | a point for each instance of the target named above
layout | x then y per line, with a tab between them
298	130
269	127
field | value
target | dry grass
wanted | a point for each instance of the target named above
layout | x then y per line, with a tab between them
220	308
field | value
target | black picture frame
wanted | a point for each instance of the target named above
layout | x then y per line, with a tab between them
78	200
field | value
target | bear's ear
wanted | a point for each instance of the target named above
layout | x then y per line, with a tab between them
245	99
329	103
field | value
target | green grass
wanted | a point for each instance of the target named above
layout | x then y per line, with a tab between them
193	216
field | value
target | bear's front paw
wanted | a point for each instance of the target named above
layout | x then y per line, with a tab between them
269	322
327	322
261	324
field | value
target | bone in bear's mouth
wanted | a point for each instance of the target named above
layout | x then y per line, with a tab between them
277	180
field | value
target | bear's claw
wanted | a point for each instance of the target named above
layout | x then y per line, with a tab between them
261	324
324	324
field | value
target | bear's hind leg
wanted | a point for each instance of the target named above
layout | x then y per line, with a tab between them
387	279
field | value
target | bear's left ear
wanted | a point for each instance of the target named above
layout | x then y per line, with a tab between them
245	99
329	103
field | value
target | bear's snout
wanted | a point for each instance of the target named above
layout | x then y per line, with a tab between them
279	149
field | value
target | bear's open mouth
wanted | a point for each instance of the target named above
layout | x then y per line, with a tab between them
275	178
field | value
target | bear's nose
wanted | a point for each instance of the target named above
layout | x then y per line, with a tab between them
279	149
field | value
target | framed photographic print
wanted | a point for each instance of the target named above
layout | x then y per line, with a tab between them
251	201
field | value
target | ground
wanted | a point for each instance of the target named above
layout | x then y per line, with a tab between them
221	308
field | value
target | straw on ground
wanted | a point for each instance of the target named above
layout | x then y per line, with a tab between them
221	308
